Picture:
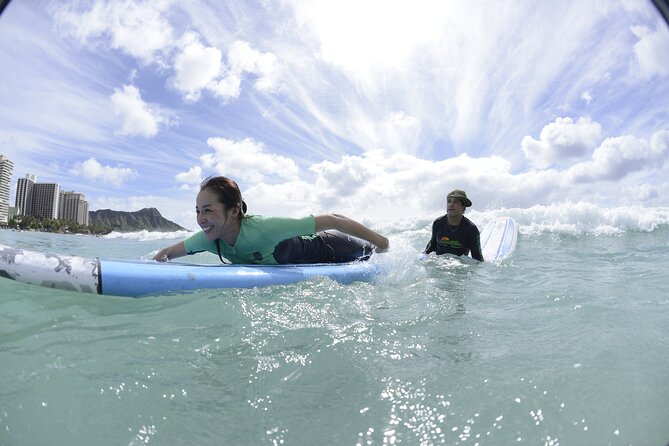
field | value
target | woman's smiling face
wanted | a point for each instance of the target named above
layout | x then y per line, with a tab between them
213	217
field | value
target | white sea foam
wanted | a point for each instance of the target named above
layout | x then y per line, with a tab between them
144	236
580	218
586	218
563	218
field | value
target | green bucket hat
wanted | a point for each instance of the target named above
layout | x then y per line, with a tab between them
460	195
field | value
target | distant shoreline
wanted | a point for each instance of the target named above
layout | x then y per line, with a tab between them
101	222
65	232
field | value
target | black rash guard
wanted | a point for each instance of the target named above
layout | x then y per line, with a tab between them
461	241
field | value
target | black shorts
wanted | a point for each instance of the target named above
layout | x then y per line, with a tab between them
324	247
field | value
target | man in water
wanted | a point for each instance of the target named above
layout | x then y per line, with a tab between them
454	233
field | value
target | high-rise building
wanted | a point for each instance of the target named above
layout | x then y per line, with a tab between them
74	207
24	194
6	168
45	200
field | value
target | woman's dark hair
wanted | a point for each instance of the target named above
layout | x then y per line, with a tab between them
227	191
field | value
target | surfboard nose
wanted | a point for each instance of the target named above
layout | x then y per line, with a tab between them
50	270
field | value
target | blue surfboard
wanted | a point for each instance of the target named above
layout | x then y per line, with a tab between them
136	278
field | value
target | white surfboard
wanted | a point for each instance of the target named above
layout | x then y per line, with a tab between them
499	238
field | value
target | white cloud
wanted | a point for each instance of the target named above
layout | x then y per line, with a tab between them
620	156
651	50
136	116
473	76
376	185
244	59
430	77
196	67
587	97
143	30
405	184
200	68
136	28
130	204
643	193
248	160
379	185
93	170
377	33
192	177
401	119
229	87
338	181
561	141
291	198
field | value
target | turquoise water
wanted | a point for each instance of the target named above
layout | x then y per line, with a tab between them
564	343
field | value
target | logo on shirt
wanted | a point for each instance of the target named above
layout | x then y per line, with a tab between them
447	242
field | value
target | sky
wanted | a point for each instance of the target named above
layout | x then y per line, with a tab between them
374	109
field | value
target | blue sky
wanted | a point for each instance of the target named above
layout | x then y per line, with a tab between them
371	108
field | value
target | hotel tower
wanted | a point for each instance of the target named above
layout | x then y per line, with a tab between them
6	168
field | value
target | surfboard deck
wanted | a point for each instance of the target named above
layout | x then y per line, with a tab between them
499	238
136	278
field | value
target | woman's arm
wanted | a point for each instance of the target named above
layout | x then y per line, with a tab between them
171	252
351	227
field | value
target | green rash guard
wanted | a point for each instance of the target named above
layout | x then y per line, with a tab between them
258	236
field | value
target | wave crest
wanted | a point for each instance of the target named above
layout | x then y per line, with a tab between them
581	218
148	236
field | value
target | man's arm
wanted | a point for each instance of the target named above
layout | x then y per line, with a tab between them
433	240
476	247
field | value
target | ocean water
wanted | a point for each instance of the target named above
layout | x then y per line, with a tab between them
564	343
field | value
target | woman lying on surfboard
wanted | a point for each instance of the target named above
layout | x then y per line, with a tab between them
454	233
240	238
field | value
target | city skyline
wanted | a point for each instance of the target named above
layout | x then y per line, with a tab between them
42	200
373	110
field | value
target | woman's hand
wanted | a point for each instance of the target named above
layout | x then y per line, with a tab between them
171	252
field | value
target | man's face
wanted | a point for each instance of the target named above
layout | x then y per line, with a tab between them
454	207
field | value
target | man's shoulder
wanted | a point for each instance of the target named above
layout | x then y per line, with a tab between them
440	220
467	222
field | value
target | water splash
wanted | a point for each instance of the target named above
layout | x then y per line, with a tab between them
144	236
569	218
